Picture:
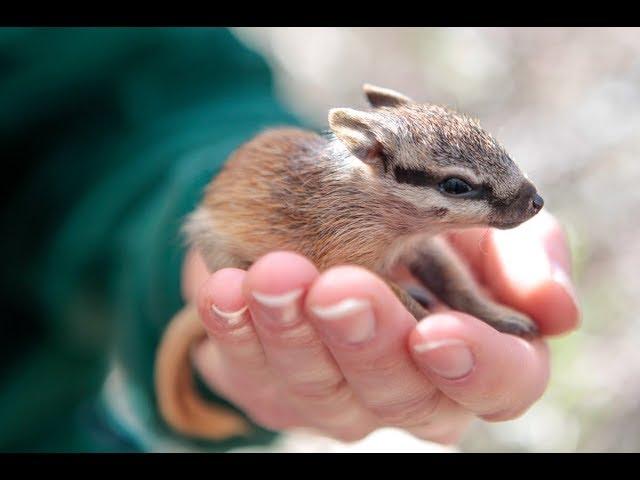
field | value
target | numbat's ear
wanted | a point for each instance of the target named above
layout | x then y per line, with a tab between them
356	129
384	97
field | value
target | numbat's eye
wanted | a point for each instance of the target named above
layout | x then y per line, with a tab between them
455	186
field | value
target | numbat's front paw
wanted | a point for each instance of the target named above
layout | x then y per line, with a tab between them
515	323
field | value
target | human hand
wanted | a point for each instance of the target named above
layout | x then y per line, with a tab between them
337	352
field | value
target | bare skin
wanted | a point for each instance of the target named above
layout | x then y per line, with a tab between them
349	374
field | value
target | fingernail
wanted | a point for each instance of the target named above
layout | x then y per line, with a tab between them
228	318
284	308
561	277
350	320
450	359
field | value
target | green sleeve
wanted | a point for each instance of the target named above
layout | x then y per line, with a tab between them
113	133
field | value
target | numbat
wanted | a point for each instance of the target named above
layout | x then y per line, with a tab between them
372	192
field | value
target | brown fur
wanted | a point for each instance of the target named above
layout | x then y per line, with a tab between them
335	200
282	191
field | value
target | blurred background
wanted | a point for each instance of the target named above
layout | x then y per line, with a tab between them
564	101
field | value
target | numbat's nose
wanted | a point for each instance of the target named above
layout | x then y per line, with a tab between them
538	202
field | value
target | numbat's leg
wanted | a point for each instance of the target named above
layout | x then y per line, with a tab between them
440	269
410	303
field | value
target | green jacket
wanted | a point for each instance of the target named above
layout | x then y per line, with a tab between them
110	136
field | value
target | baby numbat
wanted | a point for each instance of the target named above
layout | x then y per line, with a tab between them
374	192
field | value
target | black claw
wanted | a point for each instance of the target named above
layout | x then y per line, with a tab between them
516	327
421	296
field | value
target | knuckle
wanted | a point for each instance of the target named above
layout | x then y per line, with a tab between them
383	368
244	351
410	412
331	389
241	336
299	337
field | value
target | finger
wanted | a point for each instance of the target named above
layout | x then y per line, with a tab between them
448	425
365	326
472	244
495	375
276	286
527	268
225	316
263	404
237	366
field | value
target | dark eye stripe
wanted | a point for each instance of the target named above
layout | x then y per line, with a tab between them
413	177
